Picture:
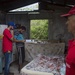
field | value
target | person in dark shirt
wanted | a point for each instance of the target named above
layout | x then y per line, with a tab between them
20	45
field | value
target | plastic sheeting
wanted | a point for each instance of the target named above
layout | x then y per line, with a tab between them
50	49
46	65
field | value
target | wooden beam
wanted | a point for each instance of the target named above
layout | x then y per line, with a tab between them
65	2
62	5
13	4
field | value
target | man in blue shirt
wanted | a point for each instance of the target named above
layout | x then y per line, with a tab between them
18	35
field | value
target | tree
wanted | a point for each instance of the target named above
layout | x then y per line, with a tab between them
39	29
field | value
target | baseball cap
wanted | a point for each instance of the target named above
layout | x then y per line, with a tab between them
12	24
71	12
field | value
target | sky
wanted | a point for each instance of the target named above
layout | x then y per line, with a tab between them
31	7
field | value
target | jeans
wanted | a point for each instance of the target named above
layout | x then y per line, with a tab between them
8	59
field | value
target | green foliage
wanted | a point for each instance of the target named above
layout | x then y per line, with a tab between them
39	29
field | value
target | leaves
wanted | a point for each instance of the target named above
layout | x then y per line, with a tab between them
39	29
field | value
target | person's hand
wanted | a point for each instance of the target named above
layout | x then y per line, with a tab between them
23	41
12	32
9	51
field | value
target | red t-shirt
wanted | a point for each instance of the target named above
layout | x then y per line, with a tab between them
70	58
7	43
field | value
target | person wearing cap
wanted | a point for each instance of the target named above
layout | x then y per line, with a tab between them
7	45
70	57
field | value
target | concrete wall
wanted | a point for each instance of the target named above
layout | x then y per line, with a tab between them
57	27
24	19
2	17
20	19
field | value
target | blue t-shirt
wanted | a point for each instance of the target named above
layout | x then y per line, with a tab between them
19	37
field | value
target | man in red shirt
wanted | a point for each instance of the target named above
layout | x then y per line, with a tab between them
70	58
7	46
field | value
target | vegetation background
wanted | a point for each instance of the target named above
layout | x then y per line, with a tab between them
39	29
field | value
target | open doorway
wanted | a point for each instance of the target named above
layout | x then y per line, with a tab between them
39	29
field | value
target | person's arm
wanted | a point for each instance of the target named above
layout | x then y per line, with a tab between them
9	35
12	32
15	40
